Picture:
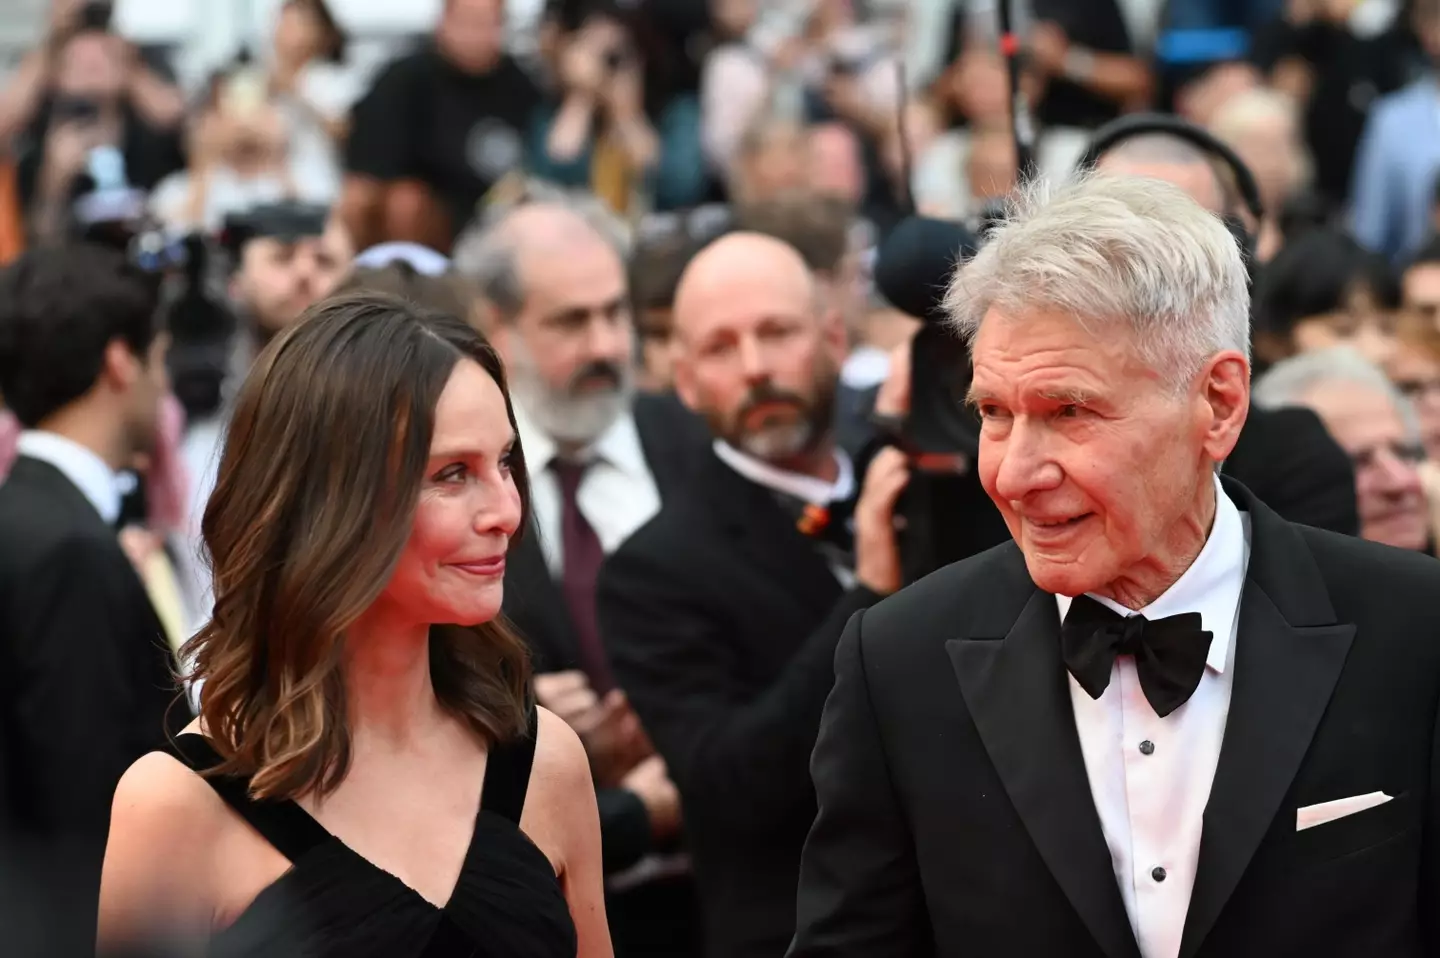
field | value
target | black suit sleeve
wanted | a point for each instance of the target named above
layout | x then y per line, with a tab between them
859	884
739	761
79	698
624	828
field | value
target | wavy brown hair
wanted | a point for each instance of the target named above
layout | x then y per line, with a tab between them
313	505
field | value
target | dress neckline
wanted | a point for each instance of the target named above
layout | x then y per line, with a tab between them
294	831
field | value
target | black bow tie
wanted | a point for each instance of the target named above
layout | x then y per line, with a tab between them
1169	653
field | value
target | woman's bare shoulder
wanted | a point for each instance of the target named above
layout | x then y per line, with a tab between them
560	760
160	794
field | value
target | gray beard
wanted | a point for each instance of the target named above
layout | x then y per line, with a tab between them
573	420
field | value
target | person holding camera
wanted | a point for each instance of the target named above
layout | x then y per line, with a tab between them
721	615
595	134
83	100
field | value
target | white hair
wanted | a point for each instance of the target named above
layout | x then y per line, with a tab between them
1111	250
1290	381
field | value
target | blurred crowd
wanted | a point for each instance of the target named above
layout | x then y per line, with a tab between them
553	188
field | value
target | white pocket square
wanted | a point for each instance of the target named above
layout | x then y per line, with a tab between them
1312	815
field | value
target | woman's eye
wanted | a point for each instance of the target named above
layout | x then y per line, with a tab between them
506	461
455	473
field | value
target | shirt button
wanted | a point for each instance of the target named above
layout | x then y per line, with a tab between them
1158	873
1147	747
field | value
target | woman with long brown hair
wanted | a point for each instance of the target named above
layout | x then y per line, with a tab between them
368	775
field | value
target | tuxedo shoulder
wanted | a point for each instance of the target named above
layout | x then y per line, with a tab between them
1362	563
941	605
1357	567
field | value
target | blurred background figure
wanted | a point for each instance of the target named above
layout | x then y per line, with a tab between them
1378	428
88	669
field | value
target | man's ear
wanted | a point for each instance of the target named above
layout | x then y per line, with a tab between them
120	368
682	377
498	330
1225	390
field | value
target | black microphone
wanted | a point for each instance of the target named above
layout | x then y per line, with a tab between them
915	262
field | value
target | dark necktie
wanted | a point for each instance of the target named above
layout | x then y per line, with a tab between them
583	554
1169	653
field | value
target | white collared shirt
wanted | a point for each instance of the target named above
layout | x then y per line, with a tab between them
805	488
1150	777
85	469
617	494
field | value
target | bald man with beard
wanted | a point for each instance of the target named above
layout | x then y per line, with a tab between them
1284	456
722	613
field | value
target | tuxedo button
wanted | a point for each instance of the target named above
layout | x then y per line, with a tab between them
1147	747
1158	873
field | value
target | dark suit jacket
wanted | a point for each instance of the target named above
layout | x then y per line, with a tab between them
674	440
1293	465
721	620
85	671
955	813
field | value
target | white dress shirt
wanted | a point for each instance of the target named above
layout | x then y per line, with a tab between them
85	469
1151	776
617	493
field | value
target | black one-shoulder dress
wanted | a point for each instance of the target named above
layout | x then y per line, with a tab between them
332	902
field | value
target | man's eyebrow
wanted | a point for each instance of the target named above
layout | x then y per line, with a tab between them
1074	395
974	396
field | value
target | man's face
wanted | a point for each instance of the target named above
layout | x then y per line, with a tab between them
571	349
1093	460
472	33
776	168
92	67
760	361
1196	179
146	386
280	279
1388	493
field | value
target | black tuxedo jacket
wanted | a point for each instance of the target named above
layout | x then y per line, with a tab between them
955	813
721	620
673	440
85	670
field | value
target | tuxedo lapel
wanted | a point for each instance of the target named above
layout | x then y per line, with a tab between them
1288	657
1016	691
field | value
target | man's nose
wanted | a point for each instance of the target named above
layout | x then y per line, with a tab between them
1025	466
1395	474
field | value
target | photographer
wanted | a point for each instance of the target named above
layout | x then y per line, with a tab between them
595	132
86	91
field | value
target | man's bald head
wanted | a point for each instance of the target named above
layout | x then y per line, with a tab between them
742	262
1162	156
755	350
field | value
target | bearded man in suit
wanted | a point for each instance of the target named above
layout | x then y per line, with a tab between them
1162	721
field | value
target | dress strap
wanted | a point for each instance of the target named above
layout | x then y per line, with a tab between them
283	824
507	772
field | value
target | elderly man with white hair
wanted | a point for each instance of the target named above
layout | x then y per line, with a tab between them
1377	427
1163	722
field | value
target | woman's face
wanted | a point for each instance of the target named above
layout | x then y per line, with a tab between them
453	568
